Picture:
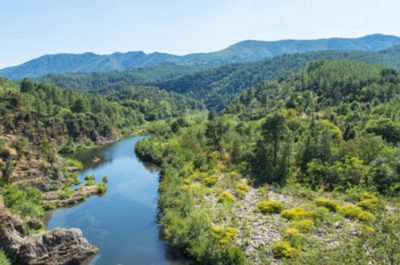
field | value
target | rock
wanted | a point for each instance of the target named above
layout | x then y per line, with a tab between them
59	246
53	197
34	224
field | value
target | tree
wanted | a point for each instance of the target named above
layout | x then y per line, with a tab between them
26	85
273	151
80	106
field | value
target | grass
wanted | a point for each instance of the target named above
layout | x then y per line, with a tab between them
3	258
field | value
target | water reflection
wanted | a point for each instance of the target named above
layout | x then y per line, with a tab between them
122	223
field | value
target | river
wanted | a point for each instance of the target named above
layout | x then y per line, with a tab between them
122	222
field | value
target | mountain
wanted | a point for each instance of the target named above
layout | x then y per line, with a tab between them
245	51
217	86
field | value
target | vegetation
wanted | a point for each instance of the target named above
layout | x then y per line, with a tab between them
3	259
305	141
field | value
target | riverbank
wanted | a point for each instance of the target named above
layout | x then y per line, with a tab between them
122	222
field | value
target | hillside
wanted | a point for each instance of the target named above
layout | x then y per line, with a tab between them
245	51
300	171
215	86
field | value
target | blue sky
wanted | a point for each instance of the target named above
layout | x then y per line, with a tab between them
31	28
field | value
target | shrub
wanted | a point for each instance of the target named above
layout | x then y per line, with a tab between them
269	207
66	193
210	180
242	188
327	203
296	213
302	225
369	204
24	200
90	182
366	216
3	259
366	228
104	179
101	188
351	211
293	236
75	179
226	197
74	163
283	249
224	235
291	232
90	177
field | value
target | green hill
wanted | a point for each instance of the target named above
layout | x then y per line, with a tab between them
245	51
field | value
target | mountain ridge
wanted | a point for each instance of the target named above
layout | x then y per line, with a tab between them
244	51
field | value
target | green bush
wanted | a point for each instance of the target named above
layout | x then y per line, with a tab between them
296	213
210	180
302	225
90	177
283	249
90	182
366	217
104	180
327	203
101	188
24	200
269	207
224	235
369	204
3	259
350	211
66	193
226	197
241	189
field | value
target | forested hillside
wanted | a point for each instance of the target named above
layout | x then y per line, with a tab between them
245	51
300	171
216	87
101	81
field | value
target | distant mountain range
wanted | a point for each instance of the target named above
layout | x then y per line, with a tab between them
216	86
245	51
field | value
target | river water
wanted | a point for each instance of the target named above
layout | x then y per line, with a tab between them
122	222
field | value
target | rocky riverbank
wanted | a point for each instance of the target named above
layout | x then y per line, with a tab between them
54	198
58	246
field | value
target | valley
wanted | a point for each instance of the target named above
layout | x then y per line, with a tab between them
280	152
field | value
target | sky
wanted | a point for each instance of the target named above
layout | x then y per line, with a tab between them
31	28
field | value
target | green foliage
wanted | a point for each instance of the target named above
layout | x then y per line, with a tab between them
351	211
224	235
226	197
366	216
66	193
210	180
302	225
327	203
3	259
269	207
104	180
241	189
24	200
101	188
283	249
296	213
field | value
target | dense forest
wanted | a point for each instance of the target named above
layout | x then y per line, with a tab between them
304	170
216	87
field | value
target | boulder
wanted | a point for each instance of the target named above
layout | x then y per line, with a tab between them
54	247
